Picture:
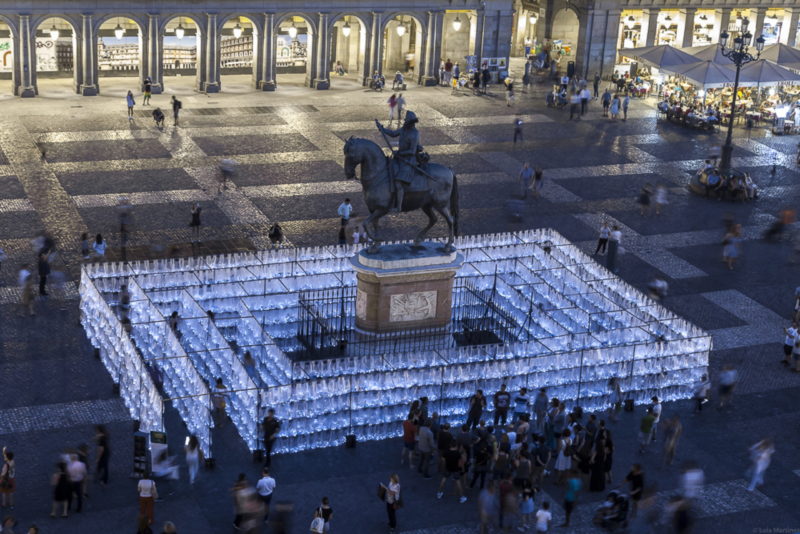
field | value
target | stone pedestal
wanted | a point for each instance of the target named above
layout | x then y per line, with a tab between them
404	287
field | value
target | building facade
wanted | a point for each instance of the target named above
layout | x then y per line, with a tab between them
415	35
594	30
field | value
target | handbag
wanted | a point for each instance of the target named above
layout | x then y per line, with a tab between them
398	503
381	492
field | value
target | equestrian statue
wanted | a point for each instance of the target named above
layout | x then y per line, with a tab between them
403	182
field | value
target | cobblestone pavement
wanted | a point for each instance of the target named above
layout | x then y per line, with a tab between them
63	170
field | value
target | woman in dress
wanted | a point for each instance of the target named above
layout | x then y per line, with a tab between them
597	477
564	459
730	245
615	108
193	456
61	490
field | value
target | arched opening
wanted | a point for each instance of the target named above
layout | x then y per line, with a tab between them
119	55
348	51
458	40
182	55
55	58
238	55
294	45
402	46
565	33
6	58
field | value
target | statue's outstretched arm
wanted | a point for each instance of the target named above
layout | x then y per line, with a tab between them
387	131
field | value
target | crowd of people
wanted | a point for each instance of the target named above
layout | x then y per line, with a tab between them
696	117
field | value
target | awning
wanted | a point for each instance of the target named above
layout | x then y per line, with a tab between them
660	56
781	54
706	74
763	73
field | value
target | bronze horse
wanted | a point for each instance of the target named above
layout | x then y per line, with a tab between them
441	194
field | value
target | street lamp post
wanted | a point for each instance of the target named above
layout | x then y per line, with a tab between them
740	55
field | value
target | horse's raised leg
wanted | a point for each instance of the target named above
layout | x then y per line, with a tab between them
371	227
428	209
444	211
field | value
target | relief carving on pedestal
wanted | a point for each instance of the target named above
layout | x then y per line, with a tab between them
361	305
412	306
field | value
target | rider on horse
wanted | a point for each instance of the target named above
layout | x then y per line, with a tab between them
406	167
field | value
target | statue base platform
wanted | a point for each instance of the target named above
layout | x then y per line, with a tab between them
405	287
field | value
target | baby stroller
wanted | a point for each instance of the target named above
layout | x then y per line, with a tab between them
612	515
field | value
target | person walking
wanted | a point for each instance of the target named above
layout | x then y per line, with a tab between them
44	270
606	100
176	109
656	407
392	500
644	200
61	490
509	83
596	85
271	426
574	103
571	495
790	336
518	129
502	402
614	239
602	241
345	210
761	456
701	389
102	454
77	477
193	457
672	433
660	198
131	102
585	96
148	90
426	445
147	497
646	429
265	488
625	103
454	462
727	381
615	104
487	507
85	245
525	179
538	182
635	478
195	222
326	513
597	462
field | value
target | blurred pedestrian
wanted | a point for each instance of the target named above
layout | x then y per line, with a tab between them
660	198
571	495
692	480
518	129
543	518
131	102
317	523
43	268
409	440
148	88
392	103
176	109
761	456
701	389
241	492
625	103
426	445
61	490
326	512
344	211
477	404
270	426
644	200
27	292
615	104
672	433
790	335
143	525
564	453
193	457
635	479
615	399
646	429
77	478
454	463
195	222
614	239
521	403
730	246
538	182
727	381
99	246
102	454
169	528
487	507
8	480
85	245
525	179
656	407
276	235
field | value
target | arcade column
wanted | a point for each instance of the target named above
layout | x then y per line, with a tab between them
88	51
153	56
24	55
267	80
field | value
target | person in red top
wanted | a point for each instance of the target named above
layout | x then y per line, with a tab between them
409	439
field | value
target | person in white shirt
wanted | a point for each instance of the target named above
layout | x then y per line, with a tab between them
692	481
657	414
147	497
344	211
77	477
264	487
543	517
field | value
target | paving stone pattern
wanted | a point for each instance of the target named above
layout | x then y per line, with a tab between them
64	172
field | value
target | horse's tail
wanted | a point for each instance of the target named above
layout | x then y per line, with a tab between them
454	203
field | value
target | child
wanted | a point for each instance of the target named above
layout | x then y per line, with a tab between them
85	245
526	507
543	518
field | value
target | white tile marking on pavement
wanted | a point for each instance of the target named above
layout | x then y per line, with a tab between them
764	325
